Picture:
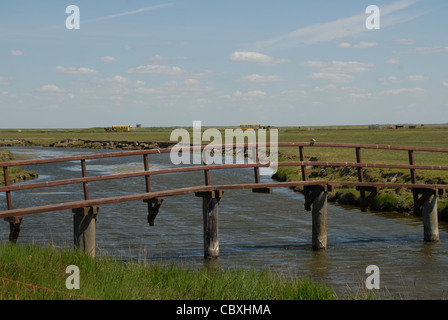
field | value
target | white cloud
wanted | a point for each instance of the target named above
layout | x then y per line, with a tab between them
405	41
390	92
70	70
191	81
16	53
392	61
445	84
260	78
394	79
255	57
50	88
345	45
108	59
255	93
365	44
361	95
402	90
4	81
156	70
201	100
333	77
117	78
339	66
417	78
159	58
435	49
145	90
302	93
426	50
360	45
390	80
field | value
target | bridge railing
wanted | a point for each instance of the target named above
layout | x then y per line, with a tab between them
147	173
208	190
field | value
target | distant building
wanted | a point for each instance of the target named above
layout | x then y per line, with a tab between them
250	126
118	128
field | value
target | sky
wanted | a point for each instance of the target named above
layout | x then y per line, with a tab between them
224	63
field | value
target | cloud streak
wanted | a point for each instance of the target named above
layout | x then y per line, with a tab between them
337	29
128	13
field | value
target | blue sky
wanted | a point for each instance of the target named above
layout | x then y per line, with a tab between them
280	63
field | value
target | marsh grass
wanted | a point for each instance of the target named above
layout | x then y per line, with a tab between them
16	174
108	279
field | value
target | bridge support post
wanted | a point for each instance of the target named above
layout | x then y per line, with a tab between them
319	213
153	209
430	219
317	196
84	221
210	204
14	228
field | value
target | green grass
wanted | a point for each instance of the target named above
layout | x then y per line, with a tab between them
16	174
108	279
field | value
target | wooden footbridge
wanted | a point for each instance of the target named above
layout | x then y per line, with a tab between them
86	210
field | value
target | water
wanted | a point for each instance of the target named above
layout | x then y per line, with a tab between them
255	230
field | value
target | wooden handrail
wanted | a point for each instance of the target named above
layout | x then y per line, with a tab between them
84	180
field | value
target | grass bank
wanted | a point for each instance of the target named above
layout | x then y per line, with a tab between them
108	279
16	174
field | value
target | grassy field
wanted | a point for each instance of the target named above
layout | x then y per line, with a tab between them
107	279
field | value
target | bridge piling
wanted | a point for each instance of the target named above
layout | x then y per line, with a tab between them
430	219
14	228
319	214
210	212
153	208
84	221
316	202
